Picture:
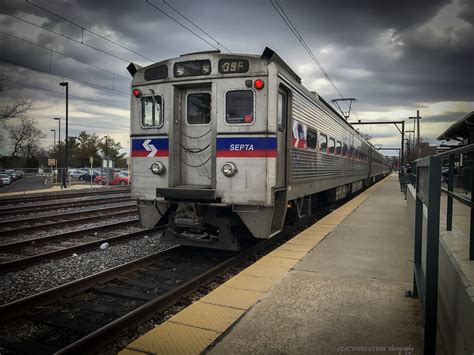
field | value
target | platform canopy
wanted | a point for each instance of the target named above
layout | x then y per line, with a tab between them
461	129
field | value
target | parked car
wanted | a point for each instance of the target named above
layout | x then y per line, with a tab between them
75	174
119	179
12	174
1	182
99	178
87	177
20	174
6	178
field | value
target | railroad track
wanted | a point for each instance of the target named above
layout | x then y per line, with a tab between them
62	195
99	307
93	315
21	254
34	208
41	222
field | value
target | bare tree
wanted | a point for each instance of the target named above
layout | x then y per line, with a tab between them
25	137
19	105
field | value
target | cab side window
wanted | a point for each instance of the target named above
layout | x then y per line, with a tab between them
281	111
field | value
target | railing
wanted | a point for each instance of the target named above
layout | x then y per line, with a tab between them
425	279
426	177
450	156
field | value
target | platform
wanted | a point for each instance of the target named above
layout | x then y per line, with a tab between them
339	286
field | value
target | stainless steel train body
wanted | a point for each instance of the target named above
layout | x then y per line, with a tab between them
226	146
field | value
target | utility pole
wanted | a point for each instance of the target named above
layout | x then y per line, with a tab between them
416	120
410	147
402	145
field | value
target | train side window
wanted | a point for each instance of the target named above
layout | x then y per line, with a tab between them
338	148
323	142
239	107
344	150
152	115
281	111
311	139
199	108
332	146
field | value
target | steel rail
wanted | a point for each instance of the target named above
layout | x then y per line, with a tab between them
58	205
104	335
39	240
35	259
58	196
65	214
19	307
63	223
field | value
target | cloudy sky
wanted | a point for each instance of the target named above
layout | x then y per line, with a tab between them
393	56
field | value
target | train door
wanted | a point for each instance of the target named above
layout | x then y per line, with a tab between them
282	121
195	146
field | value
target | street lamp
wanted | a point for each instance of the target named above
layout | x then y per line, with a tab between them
66	84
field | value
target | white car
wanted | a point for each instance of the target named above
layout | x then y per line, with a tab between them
76	173
6	179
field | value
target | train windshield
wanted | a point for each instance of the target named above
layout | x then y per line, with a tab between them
239	106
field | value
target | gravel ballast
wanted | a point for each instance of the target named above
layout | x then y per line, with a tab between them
37	278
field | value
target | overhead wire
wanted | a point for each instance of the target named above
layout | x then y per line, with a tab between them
62	94
281	12
62	54
219	44
67	37
300	38
99	87
90	31
181	24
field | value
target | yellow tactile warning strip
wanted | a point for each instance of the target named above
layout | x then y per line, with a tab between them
196	327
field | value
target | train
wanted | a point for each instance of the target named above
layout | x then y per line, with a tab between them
227	148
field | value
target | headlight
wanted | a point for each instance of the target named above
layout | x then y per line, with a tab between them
206	69
229	169
158	168
179	70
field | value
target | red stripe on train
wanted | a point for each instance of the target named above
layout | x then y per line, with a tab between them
144	153
247	153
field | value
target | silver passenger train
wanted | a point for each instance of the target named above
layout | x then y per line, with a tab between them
226	147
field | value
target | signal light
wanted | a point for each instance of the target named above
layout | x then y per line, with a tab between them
259	84
136	92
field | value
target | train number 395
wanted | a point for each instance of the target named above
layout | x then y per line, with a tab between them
233	66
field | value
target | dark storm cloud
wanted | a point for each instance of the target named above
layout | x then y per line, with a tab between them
353	23
385	53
